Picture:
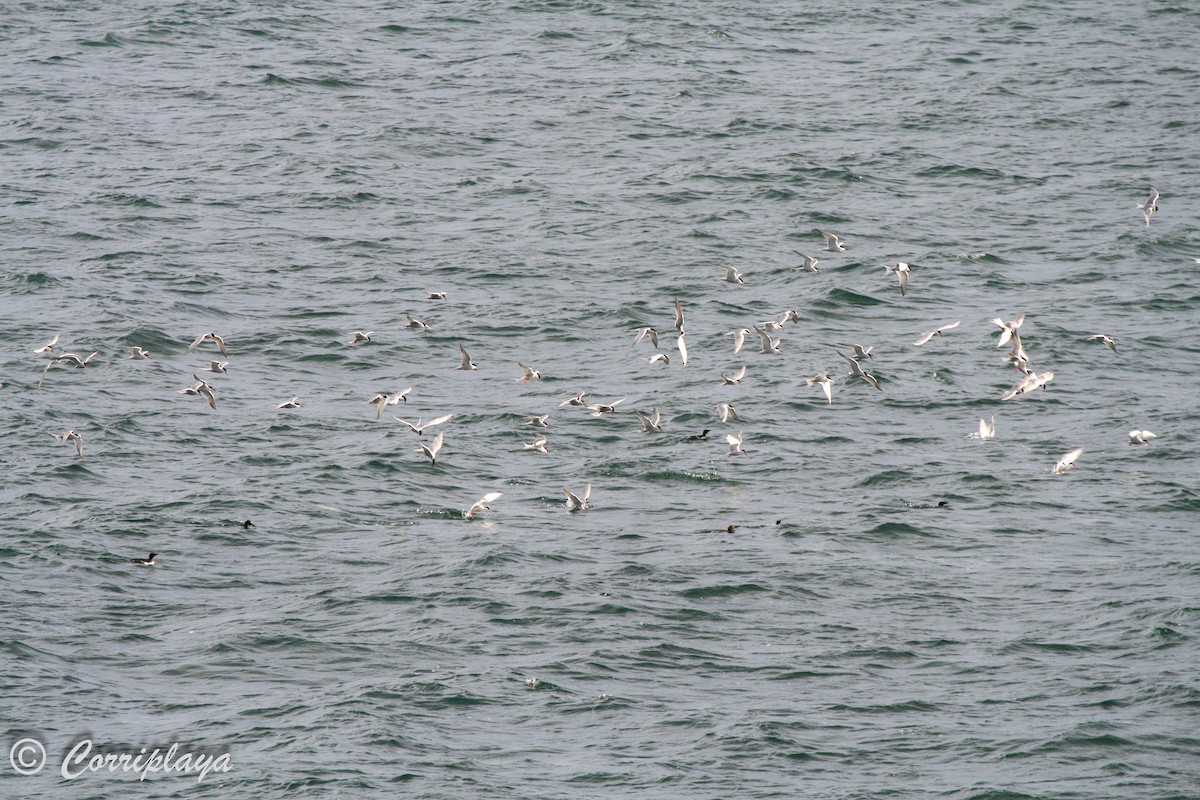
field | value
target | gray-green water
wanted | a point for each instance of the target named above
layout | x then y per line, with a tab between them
287	174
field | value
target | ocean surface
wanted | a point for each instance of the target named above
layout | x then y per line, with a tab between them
903	611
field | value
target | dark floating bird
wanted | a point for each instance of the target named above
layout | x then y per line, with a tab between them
145	562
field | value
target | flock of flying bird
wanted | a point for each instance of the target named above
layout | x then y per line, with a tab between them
1009	334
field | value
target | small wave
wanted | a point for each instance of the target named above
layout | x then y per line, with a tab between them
720	590
842	298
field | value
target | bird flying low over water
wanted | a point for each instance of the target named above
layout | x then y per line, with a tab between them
861	352
1007	329
1017	354
381	401
776	325
739	339
857	371
643	333
1141	437
209	337
465	361
74	360
528	373
1031	381
810	263
902	271
538	445
1108	341
769	346
1150	206
735	379
925	338
599	409
732	275
67	358
203	389
650	423
833	242
418	428
577	400
822	380
361	338
72	436
727	412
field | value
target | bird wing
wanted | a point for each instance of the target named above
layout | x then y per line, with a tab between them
435	421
